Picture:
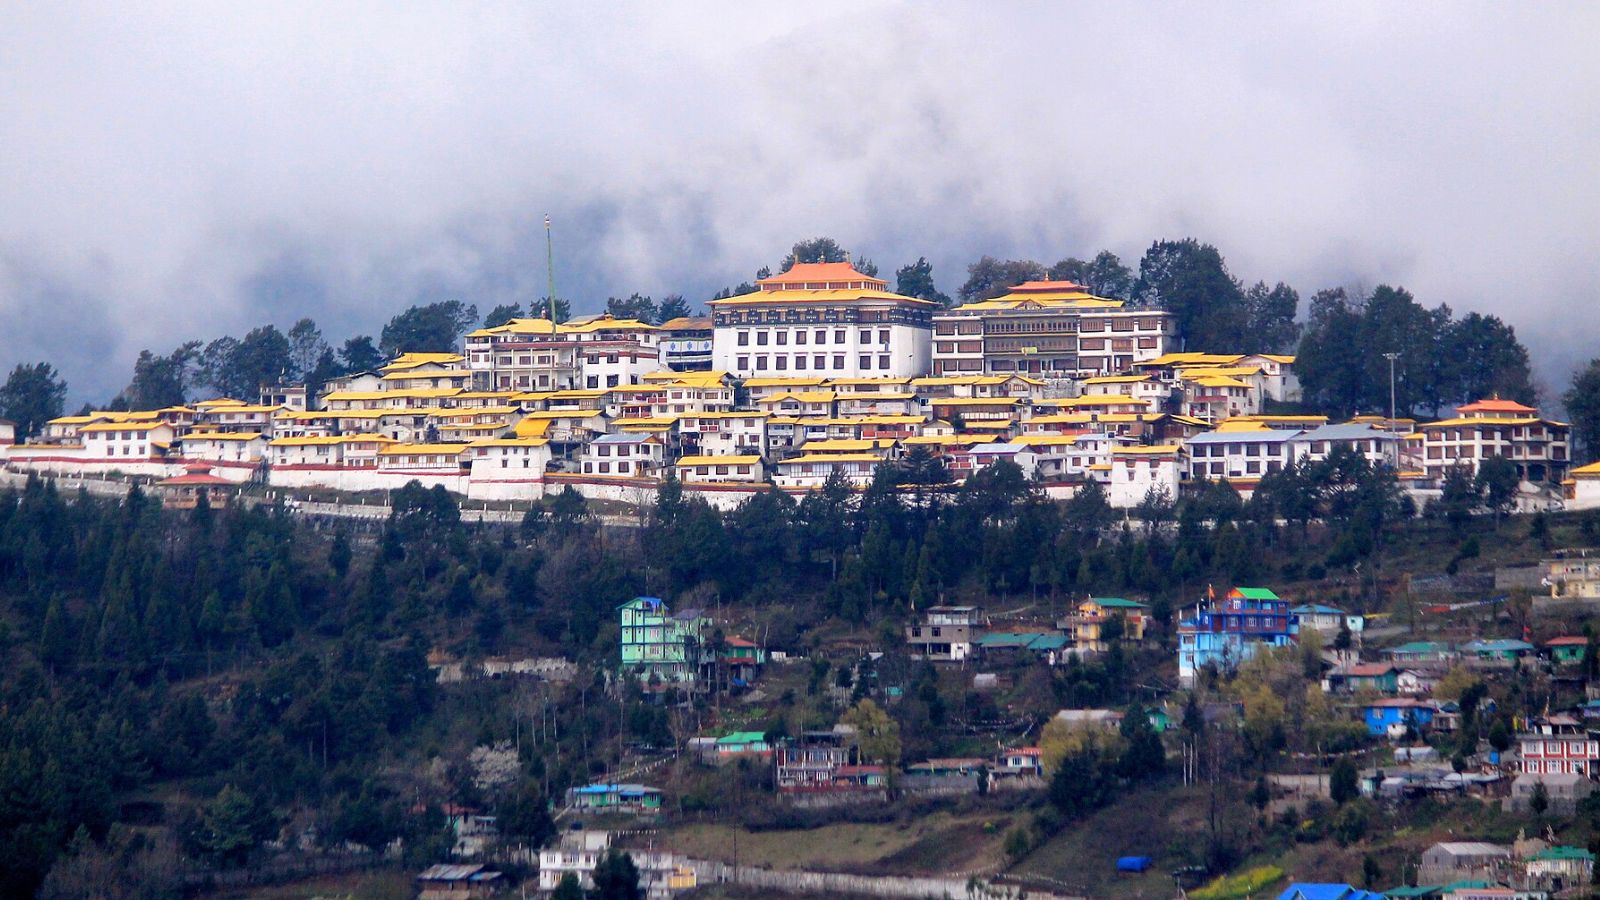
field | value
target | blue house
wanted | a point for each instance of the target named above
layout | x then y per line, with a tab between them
1390	716
1228	632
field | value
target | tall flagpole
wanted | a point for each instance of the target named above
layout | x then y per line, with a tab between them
550	270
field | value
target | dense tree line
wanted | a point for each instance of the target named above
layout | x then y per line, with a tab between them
1443	361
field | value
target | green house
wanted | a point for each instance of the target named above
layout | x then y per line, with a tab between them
743	743
618	798
1567	649
658	644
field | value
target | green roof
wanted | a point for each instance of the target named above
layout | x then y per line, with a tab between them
1256	593
743	737
1564	853
1116	602
1422	647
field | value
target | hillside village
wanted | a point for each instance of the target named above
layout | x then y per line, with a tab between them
818	373
914	601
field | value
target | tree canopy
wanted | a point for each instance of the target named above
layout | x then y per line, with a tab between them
434	328
32	395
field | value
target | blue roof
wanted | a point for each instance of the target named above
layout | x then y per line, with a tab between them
1313	891
1494	646
1318	609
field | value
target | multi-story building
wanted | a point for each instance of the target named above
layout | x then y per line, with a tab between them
1573	575
1558	745
823	319
537	355
1583	488
1225	633
1087	626
1050	329
1137	472
1538	447
944	635
686	343
1377	447
1239	454
812	763
660	645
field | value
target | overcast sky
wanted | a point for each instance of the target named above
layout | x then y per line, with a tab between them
187	171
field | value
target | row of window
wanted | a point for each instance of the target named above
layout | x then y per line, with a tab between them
781	337
818	363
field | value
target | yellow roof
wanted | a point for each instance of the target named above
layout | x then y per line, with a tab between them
531	428
645	422
75	420
1462	422
974	401
1277	357
577	394
882	419
1099	467
846	445
607	323
636	389
1287	420
836	295
312	440
487	395
1192	358
801	397
123	426
947	440
413	360
942	380
245	408
221	436
1590	469
409	376
835	457
1094	400
175	409
563	414
1116	379
1235	425
419	449
1216	381
511	442
876	396
719	460
1188	370
1063	299
219	401
987	426
519	326
701	379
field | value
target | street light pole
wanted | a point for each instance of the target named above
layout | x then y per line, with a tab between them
1391	357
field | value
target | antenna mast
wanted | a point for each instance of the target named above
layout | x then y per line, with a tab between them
550	270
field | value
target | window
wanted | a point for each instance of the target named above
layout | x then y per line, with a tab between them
838	335
743	362
761	362
866	362
800	362
883	361
838	360
783	338
744	338
783	363
883	335
819	362
622	467
822	336
761	338
800	338
605	468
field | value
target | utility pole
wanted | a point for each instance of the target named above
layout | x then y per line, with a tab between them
550	274
1390	356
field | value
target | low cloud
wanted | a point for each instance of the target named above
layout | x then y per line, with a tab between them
172	173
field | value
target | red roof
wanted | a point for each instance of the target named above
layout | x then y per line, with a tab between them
740	642
197	475
1496	405
1569	640
803	273
1024	751
1370	670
